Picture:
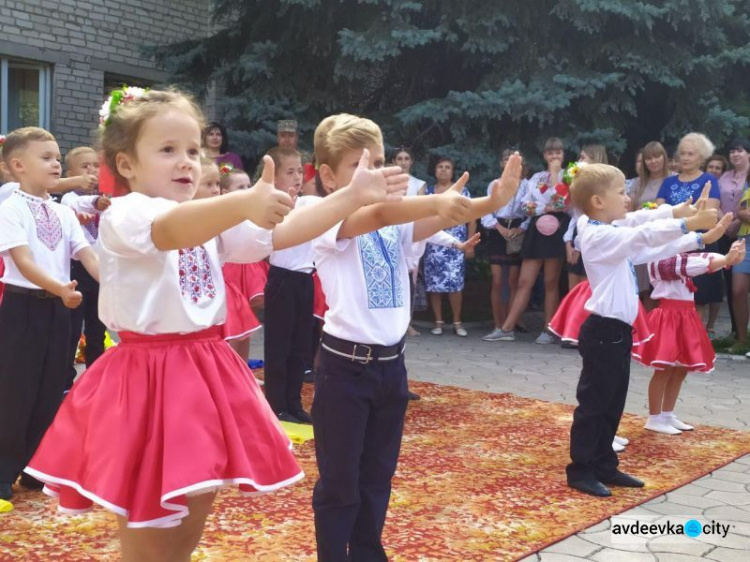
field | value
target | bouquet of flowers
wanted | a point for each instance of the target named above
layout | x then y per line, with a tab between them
560	198
529	207
650	205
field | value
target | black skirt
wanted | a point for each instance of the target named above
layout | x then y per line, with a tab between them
497	245
537	246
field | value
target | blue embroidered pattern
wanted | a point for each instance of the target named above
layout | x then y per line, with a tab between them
630	262
380	252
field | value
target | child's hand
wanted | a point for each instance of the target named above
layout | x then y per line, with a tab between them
505	188
103	203
376	185
468	246
85	218
87	182
452	205
267	206
717	231
704	219
736	253
684	210
70	297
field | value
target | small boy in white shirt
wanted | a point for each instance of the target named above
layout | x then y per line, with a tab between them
610	246
38	237
83	162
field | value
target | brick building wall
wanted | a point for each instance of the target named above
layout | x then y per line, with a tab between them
87	42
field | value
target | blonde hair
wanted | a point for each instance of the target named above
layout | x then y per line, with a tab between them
125	124
338	133
597	152
75	152
21	138
279	152
705	146
593	179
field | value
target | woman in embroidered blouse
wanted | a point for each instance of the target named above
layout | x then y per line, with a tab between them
543	246
444	267
693	151
732	185
216	145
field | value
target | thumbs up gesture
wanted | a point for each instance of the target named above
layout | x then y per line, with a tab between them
452	205
70	297
374	185
267	206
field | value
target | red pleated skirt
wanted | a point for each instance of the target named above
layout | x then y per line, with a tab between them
158	418
680	341
319	298
241	320
249	278
571	314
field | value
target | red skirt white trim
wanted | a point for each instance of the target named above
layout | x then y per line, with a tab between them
571	314
249	278
159	418
241	320
319	298
681	340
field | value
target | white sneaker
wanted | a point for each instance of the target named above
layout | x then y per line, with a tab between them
506	336
661	427
494	335
617	447
677	424
545	338
621	440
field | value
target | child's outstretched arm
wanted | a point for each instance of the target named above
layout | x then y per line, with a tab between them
196	222
89	260
368	187
24	260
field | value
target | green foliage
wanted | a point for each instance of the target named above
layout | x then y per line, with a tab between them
467	78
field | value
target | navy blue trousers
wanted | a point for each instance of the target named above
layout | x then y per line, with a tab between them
358	418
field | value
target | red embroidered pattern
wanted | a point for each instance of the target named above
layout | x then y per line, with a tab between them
48	225
196	280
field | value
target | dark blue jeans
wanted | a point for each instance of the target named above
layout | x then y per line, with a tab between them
358	417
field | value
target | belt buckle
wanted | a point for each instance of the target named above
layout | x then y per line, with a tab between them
367	358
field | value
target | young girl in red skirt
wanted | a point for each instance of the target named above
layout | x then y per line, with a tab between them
681	343
170	415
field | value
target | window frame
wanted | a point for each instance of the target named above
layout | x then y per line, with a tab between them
45	90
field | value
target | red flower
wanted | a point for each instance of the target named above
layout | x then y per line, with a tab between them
562	189
542	188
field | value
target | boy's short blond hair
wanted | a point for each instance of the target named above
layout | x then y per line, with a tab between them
75	152
593	179
279	152
338	133
19	139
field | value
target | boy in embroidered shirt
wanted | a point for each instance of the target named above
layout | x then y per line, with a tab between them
38	237
361	388
83	161
612	240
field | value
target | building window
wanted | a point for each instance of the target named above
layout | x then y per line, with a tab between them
25	90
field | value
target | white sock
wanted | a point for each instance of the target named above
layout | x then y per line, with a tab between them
667	415
655	419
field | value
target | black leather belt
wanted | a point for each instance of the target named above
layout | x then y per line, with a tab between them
38	293
361	353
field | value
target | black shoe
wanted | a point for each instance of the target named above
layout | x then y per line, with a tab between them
590	486
6	491
309	376
623	480
302	416
287	417
569	345
413	395
28	481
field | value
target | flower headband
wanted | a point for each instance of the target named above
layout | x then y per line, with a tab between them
572	171
225	168
116	99
2	140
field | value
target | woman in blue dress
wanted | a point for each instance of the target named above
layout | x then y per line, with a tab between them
693	151
444	267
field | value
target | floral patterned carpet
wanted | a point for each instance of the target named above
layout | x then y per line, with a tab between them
481	477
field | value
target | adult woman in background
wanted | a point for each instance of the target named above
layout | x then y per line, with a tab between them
694	150
216	145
